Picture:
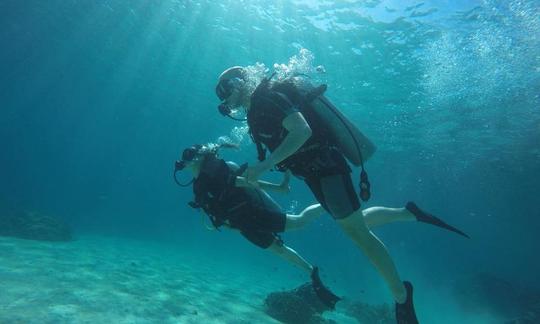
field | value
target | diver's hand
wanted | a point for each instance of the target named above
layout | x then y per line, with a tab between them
242	182
253	173
284	185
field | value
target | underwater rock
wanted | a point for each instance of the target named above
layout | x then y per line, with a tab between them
300	305
532	316
486	292
33	226
527	319
372	314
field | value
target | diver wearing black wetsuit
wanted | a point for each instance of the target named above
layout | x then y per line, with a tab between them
248	209
296	124
297	142
316	159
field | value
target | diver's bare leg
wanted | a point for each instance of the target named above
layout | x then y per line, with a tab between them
374	216
352	222
290	255
377	216
355	227
324	294
307	215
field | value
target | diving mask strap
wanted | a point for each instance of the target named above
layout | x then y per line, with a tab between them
261	152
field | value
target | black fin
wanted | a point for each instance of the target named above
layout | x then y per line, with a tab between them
405	313
424	217
325	295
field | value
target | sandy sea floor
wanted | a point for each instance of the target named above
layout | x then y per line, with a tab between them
109	280
115	280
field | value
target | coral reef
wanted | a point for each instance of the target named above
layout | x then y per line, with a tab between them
300	305
33	226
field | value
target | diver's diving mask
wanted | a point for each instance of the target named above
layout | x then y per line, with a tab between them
228	92
188	155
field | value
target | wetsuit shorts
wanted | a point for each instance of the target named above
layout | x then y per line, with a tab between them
261	227
328	175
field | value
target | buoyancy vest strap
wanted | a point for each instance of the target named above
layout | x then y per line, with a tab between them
261	151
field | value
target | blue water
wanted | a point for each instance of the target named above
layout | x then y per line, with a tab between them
98	98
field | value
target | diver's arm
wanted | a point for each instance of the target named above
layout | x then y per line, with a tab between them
265	185
282	187
298	133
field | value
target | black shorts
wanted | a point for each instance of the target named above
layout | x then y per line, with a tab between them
328	175
336	194
261	227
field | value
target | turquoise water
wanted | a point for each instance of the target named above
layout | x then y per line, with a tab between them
98	98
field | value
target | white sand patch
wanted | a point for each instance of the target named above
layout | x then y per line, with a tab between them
63	310
105	280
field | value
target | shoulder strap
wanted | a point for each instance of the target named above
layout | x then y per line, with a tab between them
261	151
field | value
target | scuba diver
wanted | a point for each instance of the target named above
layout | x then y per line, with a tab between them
224	196
307	135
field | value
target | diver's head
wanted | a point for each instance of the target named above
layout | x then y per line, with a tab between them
192	157
230	84
232	90
195	155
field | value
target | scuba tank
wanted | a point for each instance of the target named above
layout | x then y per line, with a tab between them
356	147
349	140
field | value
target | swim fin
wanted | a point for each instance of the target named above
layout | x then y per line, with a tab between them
405	313
424	217
325	295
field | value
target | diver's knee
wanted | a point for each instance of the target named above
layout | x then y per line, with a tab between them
340	213
277	246
354	223
351	217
